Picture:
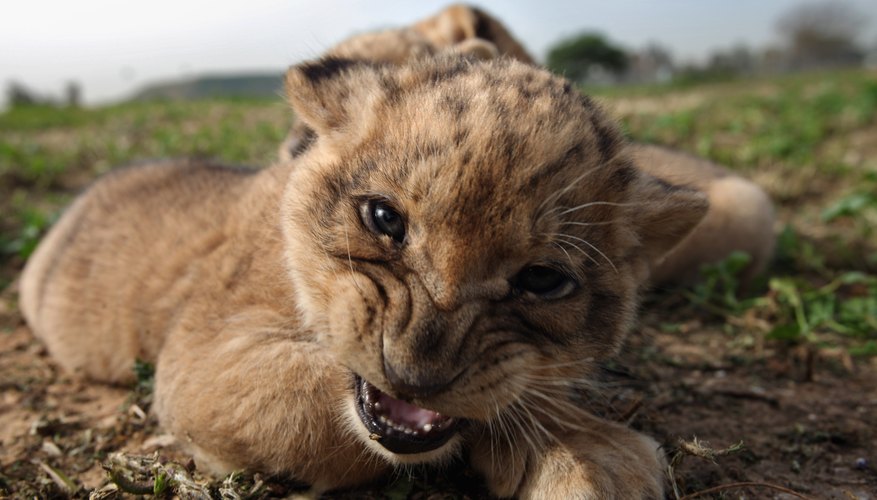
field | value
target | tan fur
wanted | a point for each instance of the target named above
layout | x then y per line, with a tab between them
458	29
740	218
452	29
460	23
260	294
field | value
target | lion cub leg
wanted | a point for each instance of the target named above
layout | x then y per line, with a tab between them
256	399
740	217
597	460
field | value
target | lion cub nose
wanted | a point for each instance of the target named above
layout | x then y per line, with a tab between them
413	384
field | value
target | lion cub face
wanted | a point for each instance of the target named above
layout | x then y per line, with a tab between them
464	236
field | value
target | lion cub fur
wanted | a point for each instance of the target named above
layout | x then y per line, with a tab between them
259	293
740	218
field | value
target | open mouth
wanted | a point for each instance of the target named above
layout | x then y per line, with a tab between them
399	426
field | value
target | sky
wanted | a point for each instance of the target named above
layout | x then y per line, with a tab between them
112	48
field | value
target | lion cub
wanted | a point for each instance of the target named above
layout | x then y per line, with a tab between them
461	245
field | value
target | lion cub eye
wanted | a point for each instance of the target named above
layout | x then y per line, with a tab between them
545	282
381	218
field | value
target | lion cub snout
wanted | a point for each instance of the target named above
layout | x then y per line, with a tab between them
418	385
425	355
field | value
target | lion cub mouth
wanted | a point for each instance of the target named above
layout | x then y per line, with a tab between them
399	426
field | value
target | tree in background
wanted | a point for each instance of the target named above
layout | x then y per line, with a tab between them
823	34
739	60
581	56
652	64
19	95
73	95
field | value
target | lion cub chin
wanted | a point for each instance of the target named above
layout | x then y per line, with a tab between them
455	253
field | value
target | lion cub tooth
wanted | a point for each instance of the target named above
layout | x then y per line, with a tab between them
427	427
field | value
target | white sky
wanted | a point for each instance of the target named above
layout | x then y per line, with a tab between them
113	47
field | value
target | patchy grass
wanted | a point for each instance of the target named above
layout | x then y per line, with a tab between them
754	124
47	155
811	141
41	147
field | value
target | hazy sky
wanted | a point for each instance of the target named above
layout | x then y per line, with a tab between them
113	47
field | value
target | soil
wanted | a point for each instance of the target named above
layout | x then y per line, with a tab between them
807	419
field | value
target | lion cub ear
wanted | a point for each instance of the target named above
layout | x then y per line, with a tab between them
459	23
330	93
664	214
476	48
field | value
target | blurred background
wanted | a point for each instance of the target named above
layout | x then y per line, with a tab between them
100	51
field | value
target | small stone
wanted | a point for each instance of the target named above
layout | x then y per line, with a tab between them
861	463
51	449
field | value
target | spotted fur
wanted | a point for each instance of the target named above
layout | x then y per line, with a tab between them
458	29
740	218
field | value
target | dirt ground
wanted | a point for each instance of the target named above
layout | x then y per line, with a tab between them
807	420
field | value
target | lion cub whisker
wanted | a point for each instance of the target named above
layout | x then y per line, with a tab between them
576	238
523	404
568	256
563	417
586	224
579	249
596	204
540	435
553	197
353	273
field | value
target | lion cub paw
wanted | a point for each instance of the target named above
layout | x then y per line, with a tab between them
608	461
598	472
